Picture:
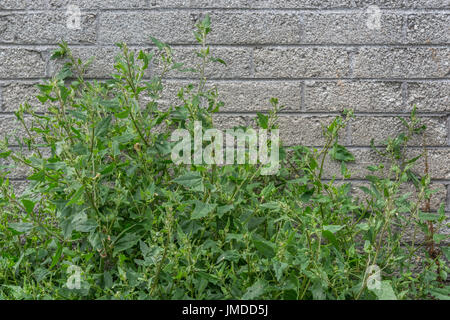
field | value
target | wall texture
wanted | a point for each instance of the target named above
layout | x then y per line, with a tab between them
318	57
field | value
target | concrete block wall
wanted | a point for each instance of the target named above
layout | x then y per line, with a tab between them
317	56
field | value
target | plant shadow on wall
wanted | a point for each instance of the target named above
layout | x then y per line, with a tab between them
107	214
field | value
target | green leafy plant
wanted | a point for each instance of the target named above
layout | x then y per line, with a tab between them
107	215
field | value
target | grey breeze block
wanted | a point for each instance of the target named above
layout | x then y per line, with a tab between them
317	57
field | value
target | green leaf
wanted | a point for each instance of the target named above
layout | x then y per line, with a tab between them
108	169
385	292
366	190
234	236
330	237
29	205
4	155
60	52
144	57
77	114
426	216
202	209
103	126
255	291
230	255
441	211
412	177
192	180
40	274
38	176
438	238
66	227
206	22
151	255
17	264
160	45
65	73
340	153
263	120
279	268
266	248
84	224
21	226
273	205
42	99
405	123
95	241
107	280
76	196
317	290
446	251
113	105
145	250
224	209
64	93
363	226
126	242
306	195
440	293
177	66
80	149
414	159
254	222
123	114
115	146
333	228
56	256
213	59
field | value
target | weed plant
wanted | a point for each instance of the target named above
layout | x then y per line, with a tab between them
106	214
